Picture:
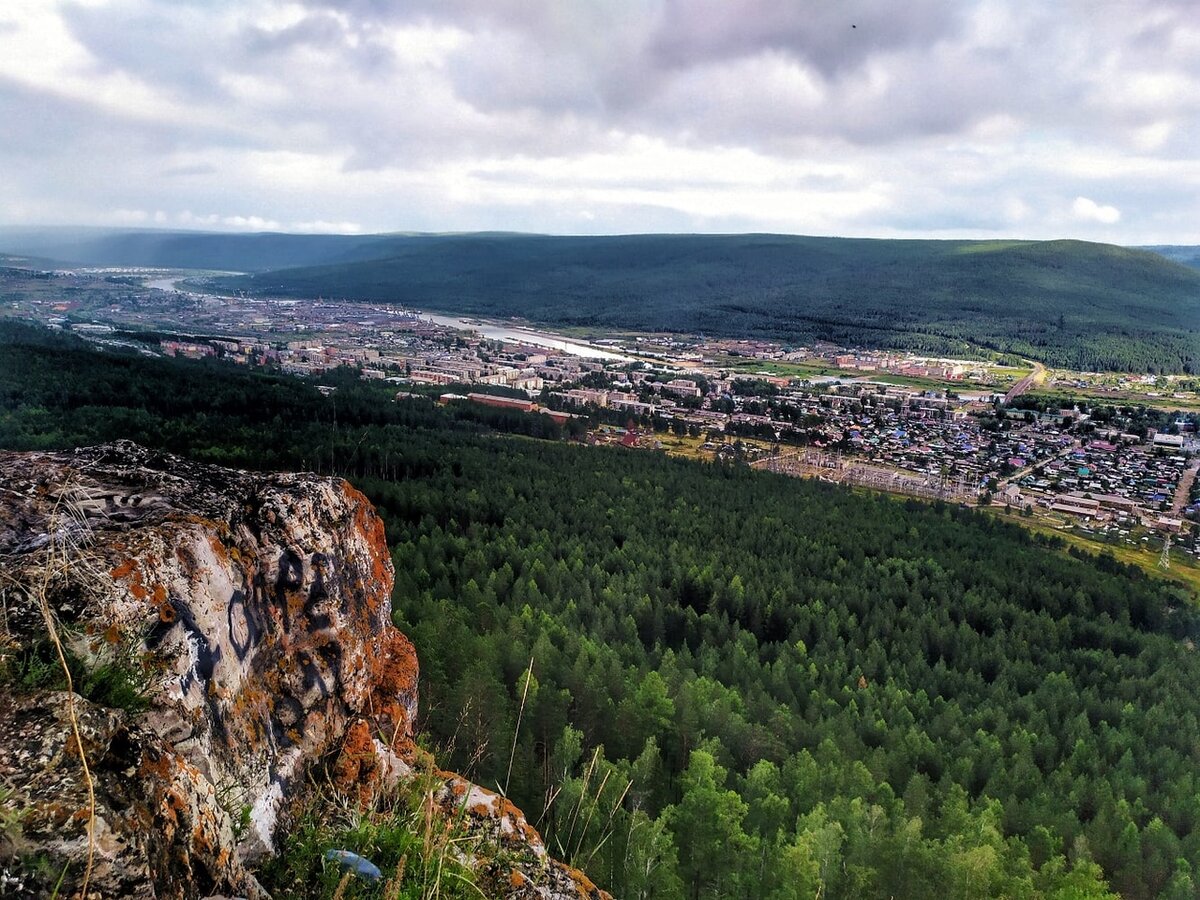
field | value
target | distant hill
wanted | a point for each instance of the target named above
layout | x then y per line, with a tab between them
1188	255
12	261
1068	303
190	249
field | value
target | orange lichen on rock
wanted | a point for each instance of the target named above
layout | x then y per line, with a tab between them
131	571
371	527
586	886
356	771
218	549
201	840
505	807
155	766
396	671
265	604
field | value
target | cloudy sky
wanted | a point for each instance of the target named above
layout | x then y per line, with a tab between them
917	118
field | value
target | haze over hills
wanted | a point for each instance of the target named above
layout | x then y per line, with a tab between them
1189	255
191	249
1068	303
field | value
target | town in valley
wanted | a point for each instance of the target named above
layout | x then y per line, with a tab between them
1105	457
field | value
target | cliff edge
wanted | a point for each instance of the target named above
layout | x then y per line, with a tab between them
231	648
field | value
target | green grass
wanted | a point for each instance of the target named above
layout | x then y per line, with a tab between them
1069	395
685	446
117	678
406	836
1003	376
10	817
1182	571
991	246
783	369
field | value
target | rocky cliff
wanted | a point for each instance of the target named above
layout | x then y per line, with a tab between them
230	640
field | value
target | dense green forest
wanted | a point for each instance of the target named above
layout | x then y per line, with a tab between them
219	251
742	684
1067	303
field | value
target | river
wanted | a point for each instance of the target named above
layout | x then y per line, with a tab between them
164	284
488	330
495	332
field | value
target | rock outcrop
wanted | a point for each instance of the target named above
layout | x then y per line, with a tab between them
254	612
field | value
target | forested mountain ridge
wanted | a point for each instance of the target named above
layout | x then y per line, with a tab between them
1067	303
219	251
742	685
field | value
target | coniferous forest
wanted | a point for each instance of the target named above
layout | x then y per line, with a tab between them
1066	303
1072	304
703	681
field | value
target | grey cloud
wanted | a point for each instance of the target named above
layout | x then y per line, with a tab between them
319	29
357	45
831	37
177	47
520	73
189	171
532	76
672	68
708	181
50	126
57	127
902	94
534	16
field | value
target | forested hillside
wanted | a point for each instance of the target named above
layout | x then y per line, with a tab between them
742	684
1067	303
221	251
1188	255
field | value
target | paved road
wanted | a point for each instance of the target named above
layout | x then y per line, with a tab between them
1034	377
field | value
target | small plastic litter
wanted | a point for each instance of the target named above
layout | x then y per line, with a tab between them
352	862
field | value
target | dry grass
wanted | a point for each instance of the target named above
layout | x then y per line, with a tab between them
66	558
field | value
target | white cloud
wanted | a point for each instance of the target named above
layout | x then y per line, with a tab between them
944	118
1090	211
320	226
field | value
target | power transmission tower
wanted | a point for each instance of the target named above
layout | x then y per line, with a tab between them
1164	561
